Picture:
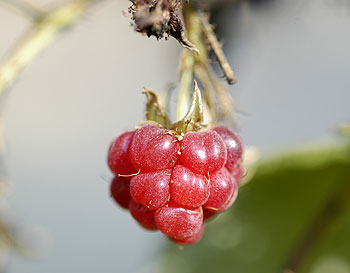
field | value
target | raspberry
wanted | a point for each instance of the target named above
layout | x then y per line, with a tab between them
191	240
119	155
231	199
174	182
233	145
142	215
187	188
151	189
178	222
221	188
203	152
153	149
237	172
120	191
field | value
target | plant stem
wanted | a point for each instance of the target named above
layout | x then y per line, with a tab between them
189	59
40	37
186	71
217	47
24	7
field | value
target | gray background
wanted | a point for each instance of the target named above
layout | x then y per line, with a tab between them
292	62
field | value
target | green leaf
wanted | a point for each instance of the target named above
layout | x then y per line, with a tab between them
294	214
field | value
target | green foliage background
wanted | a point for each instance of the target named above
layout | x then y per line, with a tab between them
294	213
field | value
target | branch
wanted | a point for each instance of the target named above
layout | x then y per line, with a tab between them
43	33
24	7
217	48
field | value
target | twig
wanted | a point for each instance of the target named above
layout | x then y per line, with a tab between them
226	102
24	7
217	48
40	37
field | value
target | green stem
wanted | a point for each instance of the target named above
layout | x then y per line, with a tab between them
189	59
183	103
39	38
24	8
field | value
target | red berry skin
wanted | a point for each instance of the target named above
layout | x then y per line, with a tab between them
221	187
119	154
232	198
151	189
203	152
234	146
178	222
120	191
191	240
153	149
188	188
142	215
141	138
237	173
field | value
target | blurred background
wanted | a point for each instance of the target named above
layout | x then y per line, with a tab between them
291	59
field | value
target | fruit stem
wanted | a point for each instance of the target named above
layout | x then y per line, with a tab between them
189	59
186	71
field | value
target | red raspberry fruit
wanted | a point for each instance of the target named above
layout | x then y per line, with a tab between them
203	152
231	199
153	149
191	240
178	222
119	155
175	182
221	187
237	172
187	188
233	145
151	189
120	191
142	215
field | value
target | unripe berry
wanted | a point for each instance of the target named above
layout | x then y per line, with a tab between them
142	215
120	191
151	189
188	188
203	152
178	222
119	155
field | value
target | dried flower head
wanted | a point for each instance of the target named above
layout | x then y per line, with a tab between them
158	18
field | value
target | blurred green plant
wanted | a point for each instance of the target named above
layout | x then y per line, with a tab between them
293	216
44	30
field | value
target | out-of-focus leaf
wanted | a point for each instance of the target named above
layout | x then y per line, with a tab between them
293	213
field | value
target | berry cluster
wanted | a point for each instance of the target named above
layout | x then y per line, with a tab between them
175	182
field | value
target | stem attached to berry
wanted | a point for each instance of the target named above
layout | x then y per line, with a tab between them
193	120
218	104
